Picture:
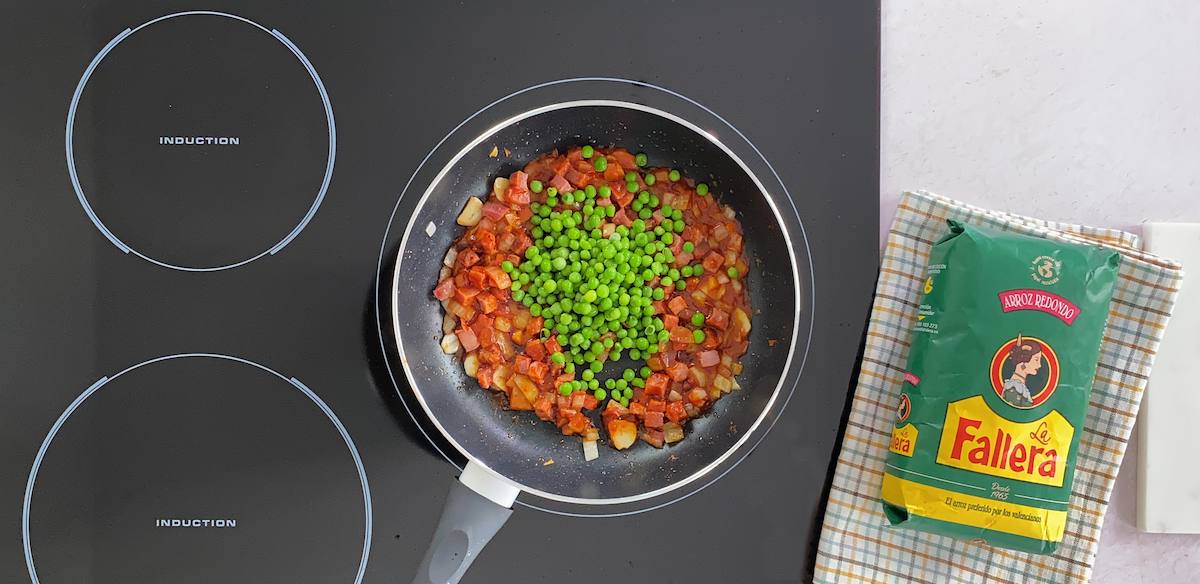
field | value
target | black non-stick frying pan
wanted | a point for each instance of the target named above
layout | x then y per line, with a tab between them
507	451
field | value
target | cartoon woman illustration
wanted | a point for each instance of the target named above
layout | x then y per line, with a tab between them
1026	358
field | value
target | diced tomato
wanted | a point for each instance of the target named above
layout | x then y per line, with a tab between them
712	261
677	305
708	358
653	419
535	350
675	412
613	171
522	364
467	339
656	405
552	345
623	157
444	289
656	385
484	375
487	302
491	354
517	196
538	371
486	240
579	423
518	180
577	399
681	334
534	327
477	277
697	397
561	379
670	321
659	306
590	402
543	407
637	408
465	294
614	410
624	198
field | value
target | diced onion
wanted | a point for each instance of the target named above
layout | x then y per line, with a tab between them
443	273
471	213
742	320
672	432
590	452
471	364
499	186
451	255
729	212
450	344
430	229
449	323
500	377
723	384
608	230
521	319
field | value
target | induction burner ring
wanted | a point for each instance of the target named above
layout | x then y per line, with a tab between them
95	387
70	138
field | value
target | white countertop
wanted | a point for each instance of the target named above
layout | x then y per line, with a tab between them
1082	111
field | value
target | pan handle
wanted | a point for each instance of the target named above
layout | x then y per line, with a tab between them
478	505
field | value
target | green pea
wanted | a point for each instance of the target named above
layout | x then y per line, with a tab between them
702	189
587	151
600	394
697	319
673	175
600	164
535	186
698	336
640	159
649	178
689	247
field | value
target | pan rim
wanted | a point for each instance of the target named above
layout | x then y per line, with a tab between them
718	461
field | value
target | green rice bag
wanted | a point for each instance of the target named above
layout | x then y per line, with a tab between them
999	373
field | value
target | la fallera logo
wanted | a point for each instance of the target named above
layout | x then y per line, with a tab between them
1024	372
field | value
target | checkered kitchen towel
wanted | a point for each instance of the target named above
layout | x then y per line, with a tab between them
856	543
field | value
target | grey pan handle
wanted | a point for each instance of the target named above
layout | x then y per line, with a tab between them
477	507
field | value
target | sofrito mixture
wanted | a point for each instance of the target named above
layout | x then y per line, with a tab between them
591	257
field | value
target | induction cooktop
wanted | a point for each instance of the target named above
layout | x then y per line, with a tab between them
196	202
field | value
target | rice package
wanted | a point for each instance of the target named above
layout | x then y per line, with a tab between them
1000	369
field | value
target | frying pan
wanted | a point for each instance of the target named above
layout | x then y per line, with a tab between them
507	452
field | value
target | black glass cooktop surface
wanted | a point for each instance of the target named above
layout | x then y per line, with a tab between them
193	203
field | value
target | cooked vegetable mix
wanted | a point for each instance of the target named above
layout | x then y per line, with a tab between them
587	258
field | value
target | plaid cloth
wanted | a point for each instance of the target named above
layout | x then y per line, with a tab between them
857	545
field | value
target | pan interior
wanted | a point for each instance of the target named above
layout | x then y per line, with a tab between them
516	444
